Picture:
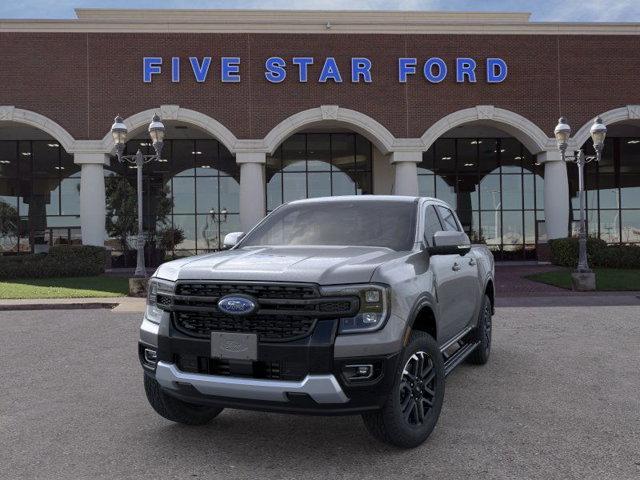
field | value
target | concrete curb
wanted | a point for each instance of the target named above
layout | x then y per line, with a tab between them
57	306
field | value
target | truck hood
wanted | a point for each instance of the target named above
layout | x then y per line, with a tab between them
323	265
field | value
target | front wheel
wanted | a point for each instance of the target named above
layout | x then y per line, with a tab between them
176	410
412	408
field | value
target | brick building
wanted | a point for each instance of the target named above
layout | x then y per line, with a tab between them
262	107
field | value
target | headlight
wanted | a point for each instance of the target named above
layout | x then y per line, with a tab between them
160	293
374	306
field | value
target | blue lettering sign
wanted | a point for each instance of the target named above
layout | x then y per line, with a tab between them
303	67
230	69
406	66
200	71
360	67
175	69
465	67
276	72
496	70
330	71
428	70
150	66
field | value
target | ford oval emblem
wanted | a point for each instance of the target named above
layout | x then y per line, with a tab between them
237	305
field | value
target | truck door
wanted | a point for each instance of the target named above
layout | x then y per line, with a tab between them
456	280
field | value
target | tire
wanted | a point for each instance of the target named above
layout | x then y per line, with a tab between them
482	334
176	410
400	422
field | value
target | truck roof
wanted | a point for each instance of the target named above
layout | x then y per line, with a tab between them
362	198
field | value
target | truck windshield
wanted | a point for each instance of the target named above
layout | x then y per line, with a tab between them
372	223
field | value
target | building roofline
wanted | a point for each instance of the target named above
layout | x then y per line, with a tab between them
310	21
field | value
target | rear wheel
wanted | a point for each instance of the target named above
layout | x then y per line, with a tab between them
176	410
412	408
482	334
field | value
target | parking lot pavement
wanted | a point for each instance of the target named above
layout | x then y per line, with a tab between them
560	398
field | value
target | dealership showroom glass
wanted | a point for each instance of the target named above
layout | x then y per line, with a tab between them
264	107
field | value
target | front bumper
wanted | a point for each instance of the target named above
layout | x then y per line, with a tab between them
310	379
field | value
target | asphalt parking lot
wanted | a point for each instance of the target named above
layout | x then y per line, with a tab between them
560	398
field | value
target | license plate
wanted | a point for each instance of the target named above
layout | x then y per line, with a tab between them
234	346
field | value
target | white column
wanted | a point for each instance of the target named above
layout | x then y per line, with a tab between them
406	172
92	197
252	188
556	194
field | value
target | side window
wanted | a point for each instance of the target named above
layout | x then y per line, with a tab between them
448	219
431	224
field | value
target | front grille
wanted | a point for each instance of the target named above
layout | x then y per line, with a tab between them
258	291
270	328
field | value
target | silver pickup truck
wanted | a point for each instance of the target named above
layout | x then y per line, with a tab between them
341	305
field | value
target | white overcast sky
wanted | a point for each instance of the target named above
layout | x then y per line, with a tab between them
542	10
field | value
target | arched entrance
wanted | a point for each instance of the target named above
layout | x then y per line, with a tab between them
39	184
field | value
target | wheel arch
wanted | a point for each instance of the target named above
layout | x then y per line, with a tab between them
490	291
423	319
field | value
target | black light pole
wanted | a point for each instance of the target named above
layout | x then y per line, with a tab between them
562	133
156	132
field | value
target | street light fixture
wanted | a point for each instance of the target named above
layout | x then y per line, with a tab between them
156	132
562	133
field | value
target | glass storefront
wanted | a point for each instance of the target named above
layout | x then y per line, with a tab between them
612	192
39	196
191	199
495	187
309	165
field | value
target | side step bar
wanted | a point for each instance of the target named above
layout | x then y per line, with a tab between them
456	359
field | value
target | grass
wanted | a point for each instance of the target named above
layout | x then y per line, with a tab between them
74	287
607	279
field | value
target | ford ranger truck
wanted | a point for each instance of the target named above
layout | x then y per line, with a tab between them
332	306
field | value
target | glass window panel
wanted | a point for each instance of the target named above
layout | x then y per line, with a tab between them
630	191
512	233
445	192
9	219
426	186
445	155
490	192
229	194
511	192
232	224
469	222
467	192
341	184
343	149
206	194
57	221
8	159
448	219
610	226
227	164
363	153
432	224
631	226
510	155
318	152
630	155
608	192
187	223
606	163
467	151
25	158
274	191
70	196
363	182
67	167
529	191
294	153
46	159
183	192
427	163
209	232
319	184
294	186
183	157
491	227
274	163
488	155
206	157
530	228
539	192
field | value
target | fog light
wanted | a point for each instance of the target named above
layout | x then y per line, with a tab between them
358	372
150	356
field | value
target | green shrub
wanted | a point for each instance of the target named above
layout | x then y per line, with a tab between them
564	252
61	261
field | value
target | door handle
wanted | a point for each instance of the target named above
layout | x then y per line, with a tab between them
455	267
472	262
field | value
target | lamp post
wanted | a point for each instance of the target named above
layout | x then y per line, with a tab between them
156	132
583	278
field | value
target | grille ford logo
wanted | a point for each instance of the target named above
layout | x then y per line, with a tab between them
237	305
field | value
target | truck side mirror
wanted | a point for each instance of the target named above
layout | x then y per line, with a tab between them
232	239
449	243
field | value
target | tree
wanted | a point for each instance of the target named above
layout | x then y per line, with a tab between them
9	223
